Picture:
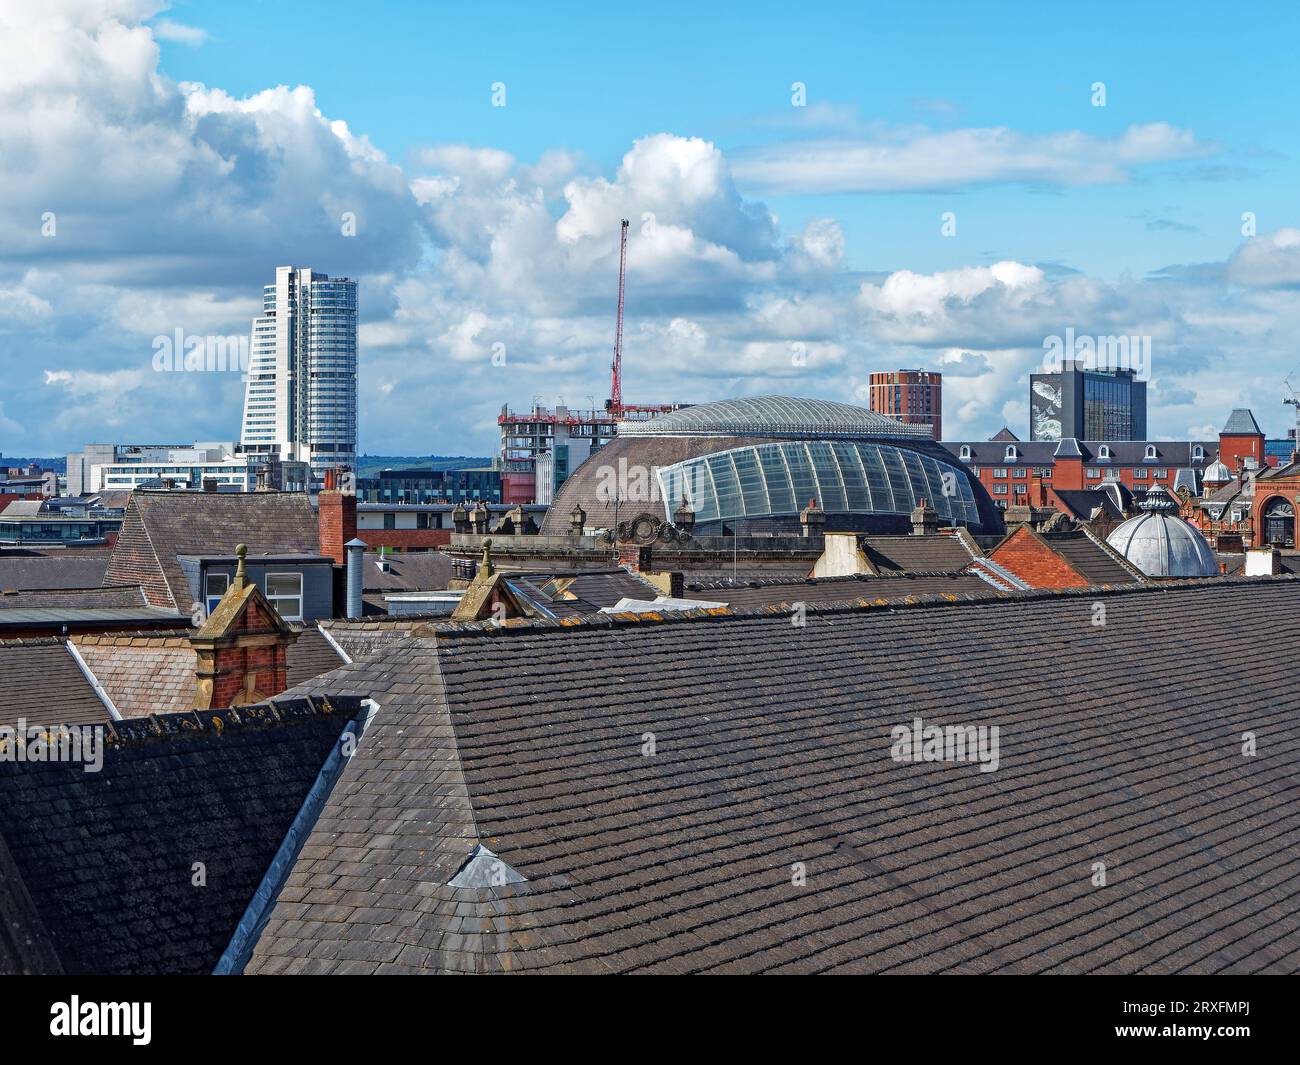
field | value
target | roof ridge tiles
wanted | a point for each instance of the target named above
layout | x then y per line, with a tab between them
920	600
137	731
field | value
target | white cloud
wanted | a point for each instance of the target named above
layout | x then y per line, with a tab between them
910	159
166	29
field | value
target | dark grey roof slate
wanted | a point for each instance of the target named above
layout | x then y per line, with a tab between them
62	570
1241	422
107	857
773	748
77	598
837	589
1095	562
925	554
41	682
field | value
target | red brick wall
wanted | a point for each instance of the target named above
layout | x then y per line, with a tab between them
337	515
1234	448
405	539
1035	563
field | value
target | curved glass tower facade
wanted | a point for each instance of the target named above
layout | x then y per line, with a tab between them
301	399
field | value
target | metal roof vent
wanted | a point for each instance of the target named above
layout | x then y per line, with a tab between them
483	869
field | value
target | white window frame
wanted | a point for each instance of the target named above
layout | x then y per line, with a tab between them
1011	453
210	601
965	453
275	600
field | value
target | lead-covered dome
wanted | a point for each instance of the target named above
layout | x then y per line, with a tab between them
1161	544
784	416
750	466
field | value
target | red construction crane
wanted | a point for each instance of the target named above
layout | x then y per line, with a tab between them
616	375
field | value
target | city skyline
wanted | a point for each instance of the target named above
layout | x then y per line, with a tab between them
798	221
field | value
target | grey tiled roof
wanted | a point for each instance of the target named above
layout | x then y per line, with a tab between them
837	589
1094	561
1169	453
1241	422
590	591
73	598
923	554
108	857
773	753
159	526
41	682
62	570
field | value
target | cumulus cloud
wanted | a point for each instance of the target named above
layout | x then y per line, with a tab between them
914	159
487	278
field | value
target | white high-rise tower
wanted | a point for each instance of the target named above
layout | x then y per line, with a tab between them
301	401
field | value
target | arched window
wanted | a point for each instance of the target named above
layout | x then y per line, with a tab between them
1103	453
1279	522
1011	452
965	452
1198	452
1151	452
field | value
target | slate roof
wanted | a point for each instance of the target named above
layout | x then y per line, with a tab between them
159	526
72	569
773	754
1081	502
1241	422
1093	559
408	571
74	598
921	554
1169	453
107	857
563	595
154	672
41	682
836	589
361	638
142	673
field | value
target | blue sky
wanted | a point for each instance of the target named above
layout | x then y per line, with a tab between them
181	174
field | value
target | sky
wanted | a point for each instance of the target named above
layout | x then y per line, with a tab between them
816	191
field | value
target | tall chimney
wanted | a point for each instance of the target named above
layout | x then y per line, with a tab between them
356	550
337	515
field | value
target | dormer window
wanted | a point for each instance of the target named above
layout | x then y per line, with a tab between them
1151	452
1103	453
1011	453
965	453
1198	453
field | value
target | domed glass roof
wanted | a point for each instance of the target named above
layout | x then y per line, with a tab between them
1161	544
773	416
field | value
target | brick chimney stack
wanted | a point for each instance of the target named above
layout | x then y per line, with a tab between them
337	515
242	648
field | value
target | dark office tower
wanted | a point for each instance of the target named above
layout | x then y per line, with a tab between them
1087	404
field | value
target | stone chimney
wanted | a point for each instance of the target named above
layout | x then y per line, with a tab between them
478	519
460	518
337	516
242	648
813	519
925	522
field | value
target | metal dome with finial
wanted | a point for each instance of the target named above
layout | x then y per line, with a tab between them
1160	543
